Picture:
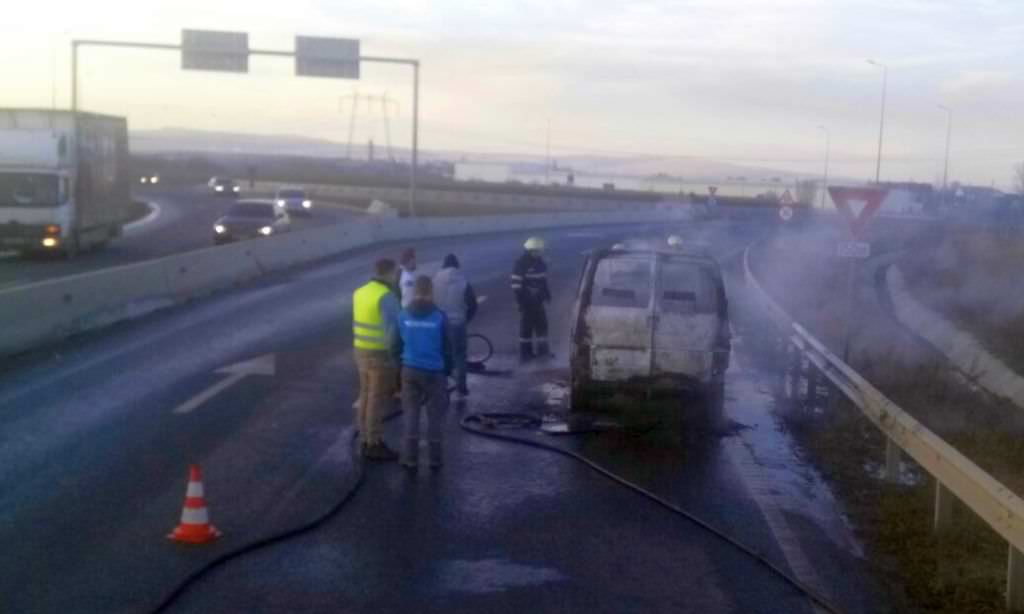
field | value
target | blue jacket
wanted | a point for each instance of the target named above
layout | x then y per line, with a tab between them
423	334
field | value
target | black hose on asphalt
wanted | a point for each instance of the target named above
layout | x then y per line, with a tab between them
487	425
193	577
312	525
490	425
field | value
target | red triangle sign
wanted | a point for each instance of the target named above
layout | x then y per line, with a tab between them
857	205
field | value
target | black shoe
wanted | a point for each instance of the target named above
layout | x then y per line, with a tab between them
380	452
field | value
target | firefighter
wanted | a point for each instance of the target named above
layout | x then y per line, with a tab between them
529	282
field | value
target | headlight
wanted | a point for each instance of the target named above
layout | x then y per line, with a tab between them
307	204
219	188
50	242
266	231
154	179
142	180
217	228
237	189
280	202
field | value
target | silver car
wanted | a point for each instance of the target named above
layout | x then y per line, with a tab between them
294	201
649	321
250	219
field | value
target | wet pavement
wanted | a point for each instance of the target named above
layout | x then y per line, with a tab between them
95	478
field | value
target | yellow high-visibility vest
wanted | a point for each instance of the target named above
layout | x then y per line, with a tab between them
367	319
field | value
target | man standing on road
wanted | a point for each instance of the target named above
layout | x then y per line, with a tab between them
426	362
529	282
454	295
408	278
375	311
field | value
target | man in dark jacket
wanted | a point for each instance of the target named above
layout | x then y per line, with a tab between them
426	363
529	282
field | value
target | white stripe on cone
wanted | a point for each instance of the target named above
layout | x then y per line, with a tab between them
195	516
195	489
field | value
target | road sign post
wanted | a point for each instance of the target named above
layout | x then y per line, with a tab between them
712	201
857	206
338	58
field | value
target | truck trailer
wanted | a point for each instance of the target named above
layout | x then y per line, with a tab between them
64	184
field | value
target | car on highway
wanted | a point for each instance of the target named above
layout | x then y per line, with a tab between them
294	201
648	320
221	186
149	179
250	219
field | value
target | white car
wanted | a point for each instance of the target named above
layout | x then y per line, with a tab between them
294	201
221	186
649	321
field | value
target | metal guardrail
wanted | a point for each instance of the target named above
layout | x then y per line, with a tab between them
956	477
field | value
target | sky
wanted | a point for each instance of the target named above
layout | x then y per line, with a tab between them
755	82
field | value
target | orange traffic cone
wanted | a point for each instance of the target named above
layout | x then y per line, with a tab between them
195	527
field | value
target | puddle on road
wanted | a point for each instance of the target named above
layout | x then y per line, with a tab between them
766	456
493	575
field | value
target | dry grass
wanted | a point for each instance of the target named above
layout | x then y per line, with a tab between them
972	276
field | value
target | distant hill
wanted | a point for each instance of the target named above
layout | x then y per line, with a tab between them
173	140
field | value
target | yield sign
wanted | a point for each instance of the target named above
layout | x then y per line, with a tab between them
857	205
787	199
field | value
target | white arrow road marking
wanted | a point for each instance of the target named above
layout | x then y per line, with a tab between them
261	365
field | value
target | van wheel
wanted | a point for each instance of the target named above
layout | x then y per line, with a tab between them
581	397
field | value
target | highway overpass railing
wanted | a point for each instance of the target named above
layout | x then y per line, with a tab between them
956	477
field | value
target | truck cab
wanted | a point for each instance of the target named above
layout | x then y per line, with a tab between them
62	180
35	191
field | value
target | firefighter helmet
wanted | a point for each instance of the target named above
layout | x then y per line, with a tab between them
534	243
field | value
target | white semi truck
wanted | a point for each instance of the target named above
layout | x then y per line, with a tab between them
64	182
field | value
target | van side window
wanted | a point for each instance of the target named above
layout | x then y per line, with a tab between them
622	282
686	288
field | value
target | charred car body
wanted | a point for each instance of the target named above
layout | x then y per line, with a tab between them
649	321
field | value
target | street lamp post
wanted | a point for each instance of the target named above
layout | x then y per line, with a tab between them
881	121
945	166
824	183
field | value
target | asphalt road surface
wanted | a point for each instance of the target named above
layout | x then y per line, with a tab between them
184	222
98	434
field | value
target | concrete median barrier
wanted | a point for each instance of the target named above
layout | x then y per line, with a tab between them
52	310
46	312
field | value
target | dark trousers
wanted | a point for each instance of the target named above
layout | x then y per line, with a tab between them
423	390
533	327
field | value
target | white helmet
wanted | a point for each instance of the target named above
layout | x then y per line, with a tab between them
534	243
675	241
